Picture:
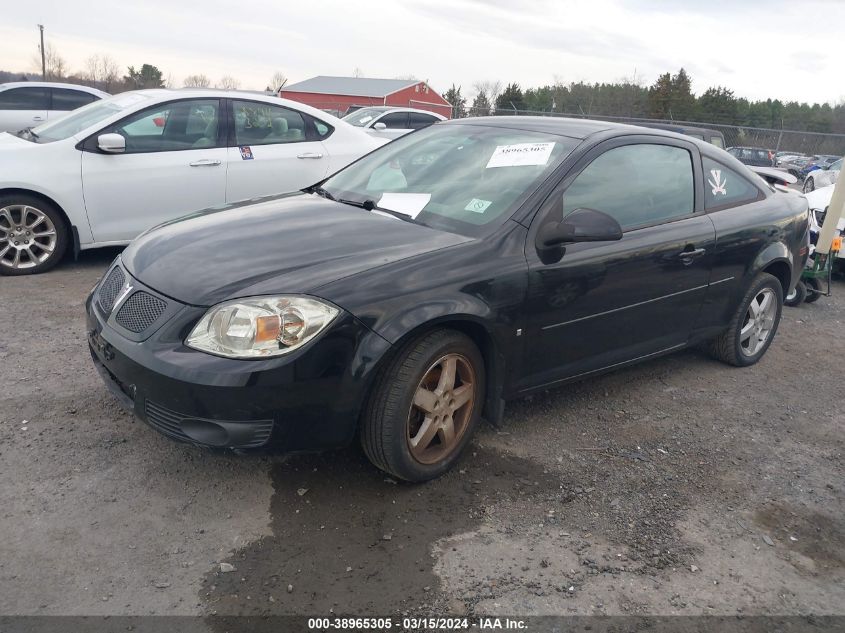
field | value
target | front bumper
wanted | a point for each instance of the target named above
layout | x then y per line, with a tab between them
307	400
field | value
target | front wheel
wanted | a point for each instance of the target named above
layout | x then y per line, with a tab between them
33	235
753	325
424	406
796	296
809	185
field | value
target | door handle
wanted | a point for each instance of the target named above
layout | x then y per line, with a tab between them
688	255
205	162
38	118
309	155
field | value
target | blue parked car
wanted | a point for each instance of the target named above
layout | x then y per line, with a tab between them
821	161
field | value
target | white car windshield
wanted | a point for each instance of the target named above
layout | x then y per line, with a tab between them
361	117
83	118
461	178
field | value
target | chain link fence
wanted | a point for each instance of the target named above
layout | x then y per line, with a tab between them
775	140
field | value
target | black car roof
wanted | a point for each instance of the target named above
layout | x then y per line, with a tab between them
574	128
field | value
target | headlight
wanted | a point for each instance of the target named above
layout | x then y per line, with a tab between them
260	327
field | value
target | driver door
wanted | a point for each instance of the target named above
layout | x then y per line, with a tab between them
600	304
174	164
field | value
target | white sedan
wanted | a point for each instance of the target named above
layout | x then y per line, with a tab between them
822	177
25	104
112	169
390	122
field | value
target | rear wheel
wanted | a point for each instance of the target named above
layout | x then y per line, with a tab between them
424	406
33	235
814	290
753	325
797	296
809	184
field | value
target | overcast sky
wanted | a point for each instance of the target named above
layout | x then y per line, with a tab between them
787	49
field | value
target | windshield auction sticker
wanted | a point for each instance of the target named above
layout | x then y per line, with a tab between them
521	154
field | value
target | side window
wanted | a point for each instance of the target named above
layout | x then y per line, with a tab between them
64	99
25	99
724	186
259	123
636	184
417	121
170	127
395	120
324	130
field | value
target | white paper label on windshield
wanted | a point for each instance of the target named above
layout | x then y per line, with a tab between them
408	203
521	154
477	206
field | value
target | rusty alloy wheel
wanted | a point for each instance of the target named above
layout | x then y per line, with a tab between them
442	408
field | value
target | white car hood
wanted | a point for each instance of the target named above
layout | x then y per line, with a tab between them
8	141
820	199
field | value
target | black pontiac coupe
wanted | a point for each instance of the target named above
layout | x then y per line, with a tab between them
414	292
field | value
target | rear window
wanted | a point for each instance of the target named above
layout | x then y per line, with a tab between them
65	99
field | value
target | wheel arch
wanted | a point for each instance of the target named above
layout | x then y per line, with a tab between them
782	270
5	191
479	333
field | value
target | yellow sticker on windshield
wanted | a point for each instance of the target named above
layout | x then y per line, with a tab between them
477	206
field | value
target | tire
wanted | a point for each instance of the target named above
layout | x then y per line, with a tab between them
729	347
809	184
814	290
797	296
33	235
393	418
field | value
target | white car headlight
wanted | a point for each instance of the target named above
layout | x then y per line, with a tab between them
260	327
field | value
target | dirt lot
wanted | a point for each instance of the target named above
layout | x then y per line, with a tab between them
681	486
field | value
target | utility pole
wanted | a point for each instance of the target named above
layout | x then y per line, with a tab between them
43	58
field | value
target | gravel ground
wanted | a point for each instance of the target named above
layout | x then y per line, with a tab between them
681	486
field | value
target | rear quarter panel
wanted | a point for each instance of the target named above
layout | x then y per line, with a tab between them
750	238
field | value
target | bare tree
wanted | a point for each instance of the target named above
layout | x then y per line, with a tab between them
196	81
490	89
278	81
102	71
55	65
357	72
229	83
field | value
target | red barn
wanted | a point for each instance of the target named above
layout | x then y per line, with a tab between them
338	93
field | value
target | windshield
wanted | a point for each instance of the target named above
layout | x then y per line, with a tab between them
361	117
83	118
460	178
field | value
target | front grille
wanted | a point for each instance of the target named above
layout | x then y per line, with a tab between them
169	423
140	311
110	288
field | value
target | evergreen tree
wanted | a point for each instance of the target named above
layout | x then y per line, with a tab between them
459	103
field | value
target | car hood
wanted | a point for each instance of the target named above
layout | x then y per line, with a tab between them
11	142
286	244
820	198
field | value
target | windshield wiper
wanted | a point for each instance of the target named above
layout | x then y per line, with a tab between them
321	192
26	132
370	205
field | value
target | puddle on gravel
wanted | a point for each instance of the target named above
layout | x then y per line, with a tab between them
819	536
348	538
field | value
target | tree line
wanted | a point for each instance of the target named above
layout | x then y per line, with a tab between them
670	97
103	72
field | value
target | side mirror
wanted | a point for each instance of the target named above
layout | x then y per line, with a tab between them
582	225
111	143
379	126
